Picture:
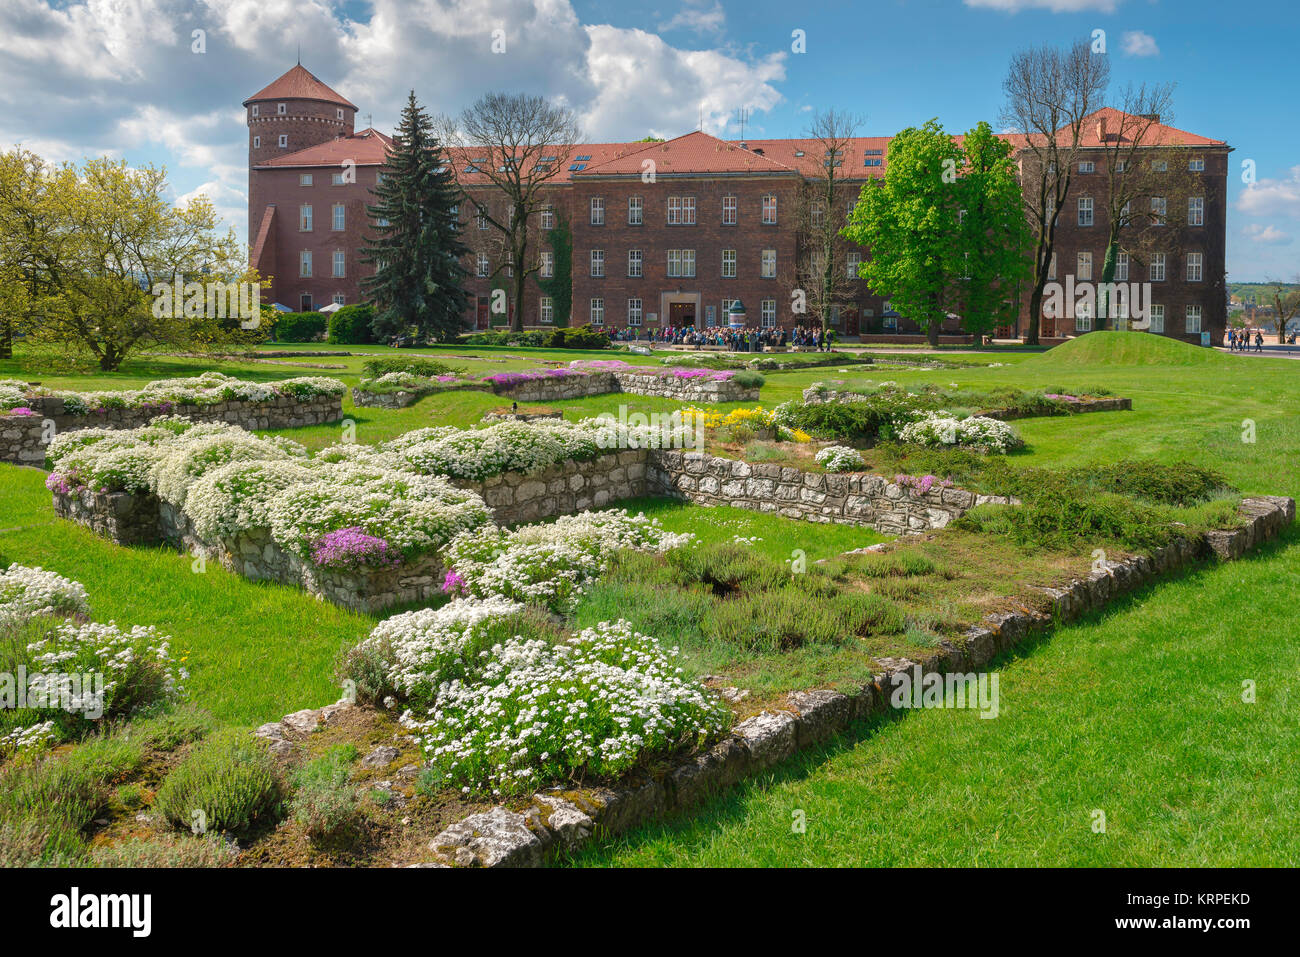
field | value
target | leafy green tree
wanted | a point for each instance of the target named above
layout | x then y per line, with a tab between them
560	286
909	220
995	236
416	246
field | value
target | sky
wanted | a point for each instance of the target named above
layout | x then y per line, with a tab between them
132	79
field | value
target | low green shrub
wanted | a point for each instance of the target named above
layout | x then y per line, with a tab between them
168	730
324	805
230	777
300	326
749	379
351	325
164	851
413	365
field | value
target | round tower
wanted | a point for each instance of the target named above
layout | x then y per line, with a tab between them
293	113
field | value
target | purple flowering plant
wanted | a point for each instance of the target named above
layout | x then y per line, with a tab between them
352	548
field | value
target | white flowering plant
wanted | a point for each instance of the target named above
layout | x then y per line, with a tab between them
978	432
27	593
550	564
840	458
527	712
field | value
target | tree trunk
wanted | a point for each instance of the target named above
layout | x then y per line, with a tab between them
1107	277
932	333
1035	313
7	339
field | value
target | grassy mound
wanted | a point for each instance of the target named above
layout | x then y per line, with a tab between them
1125	349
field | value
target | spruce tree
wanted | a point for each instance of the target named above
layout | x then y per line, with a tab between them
416	247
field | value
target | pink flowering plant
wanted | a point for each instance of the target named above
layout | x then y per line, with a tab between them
351	547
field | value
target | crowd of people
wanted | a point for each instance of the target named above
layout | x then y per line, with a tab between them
748	339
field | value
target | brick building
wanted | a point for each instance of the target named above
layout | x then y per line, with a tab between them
717	222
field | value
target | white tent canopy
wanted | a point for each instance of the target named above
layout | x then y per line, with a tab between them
332	307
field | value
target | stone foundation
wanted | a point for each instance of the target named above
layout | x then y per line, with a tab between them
559	388
559	820
400	400
686	390
563	488
282	412
827	396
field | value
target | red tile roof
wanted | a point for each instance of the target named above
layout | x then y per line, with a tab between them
695	152
1108	126
367	148
299	84
853	166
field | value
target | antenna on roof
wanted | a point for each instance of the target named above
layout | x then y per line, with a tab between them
300	53
370	121
744	118
700	124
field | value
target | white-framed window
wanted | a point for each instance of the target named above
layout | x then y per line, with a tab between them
1196	165
769	210
849	207
729	210
1156	271
767	264
852	260
546	264
304	263
304	179
282	108
256	109
635	264
548	217
1125	213
339	220
546	309
1087	166
1121	166
1083	317
1085	210
681	263
767	313
1194	266
284	140
338	179
597	313
340	264
1196	211
1121	267
1159	210
635	211
1193	321
1160	166
728	264
1119	314
339	299
481	217
1083	268
257	142
304	218
815	263
1051	269
483	267
817	214
598	211
634	312
597	264
1156	317
681	210
508	267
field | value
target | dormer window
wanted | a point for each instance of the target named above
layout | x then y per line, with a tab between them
282	108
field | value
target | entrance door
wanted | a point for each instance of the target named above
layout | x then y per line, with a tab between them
304	303
681	313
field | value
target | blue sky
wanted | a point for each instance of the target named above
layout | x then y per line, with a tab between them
83	77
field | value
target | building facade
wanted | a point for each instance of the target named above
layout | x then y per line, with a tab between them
673	233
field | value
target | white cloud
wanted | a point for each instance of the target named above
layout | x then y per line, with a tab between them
1273	197
1137	43
646	86
1056	6
695	16
1267	235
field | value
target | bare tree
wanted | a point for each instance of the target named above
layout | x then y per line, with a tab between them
1050	92
1130	138
1286	304
822	211
520	144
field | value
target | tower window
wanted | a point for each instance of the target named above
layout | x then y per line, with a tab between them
257	142
256	109
284	140
281	108
339	114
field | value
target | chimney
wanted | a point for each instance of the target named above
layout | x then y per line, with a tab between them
1101	128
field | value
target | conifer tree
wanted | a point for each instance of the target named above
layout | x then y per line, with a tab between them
416	247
